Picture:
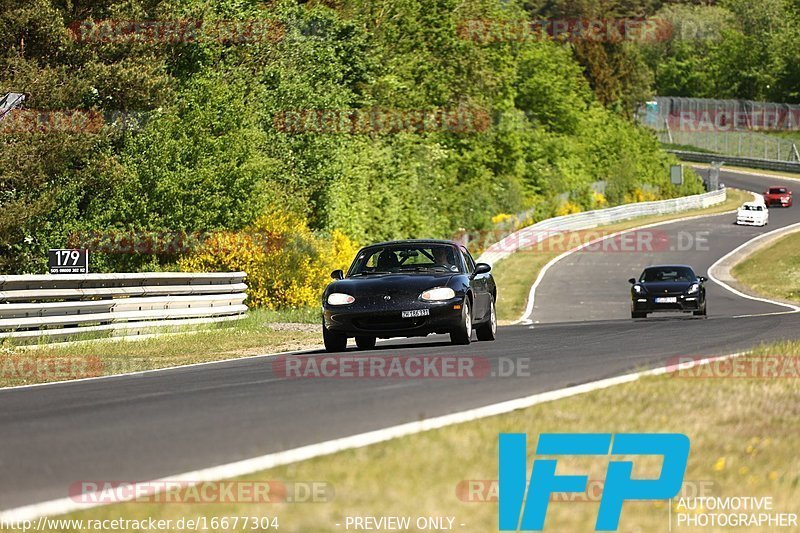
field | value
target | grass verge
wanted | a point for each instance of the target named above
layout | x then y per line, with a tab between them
515	274
686	148
263	331
743	434
773	271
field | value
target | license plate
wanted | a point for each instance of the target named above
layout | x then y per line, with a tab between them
667	300
415	313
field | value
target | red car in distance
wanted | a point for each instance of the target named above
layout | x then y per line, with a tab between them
778	197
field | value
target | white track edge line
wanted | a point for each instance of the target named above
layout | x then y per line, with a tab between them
264	462
786	229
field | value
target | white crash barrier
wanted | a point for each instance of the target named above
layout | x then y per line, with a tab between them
535	233
51	307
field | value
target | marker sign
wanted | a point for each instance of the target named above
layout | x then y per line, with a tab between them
68	261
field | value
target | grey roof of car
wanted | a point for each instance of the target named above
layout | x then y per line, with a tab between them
414	241
669	266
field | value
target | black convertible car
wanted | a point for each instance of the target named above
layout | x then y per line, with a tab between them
668	288
407	289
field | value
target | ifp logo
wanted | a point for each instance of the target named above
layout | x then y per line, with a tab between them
619	486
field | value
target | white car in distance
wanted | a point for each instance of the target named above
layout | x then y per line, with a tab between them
752	214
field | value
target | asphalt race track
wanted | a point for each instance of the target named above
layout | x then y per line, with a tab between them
592	284
160	424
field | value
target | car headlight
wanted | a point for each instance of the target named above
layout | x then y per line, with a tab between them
339	298
438	294
638	289
693	288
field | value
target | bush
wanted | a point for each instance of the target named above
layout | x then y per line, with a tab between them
568	208
287	265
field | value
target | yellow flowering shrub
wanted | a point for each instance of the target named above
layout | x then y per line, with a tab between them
502	217
567	208
524	223
638	195
287	264
599	200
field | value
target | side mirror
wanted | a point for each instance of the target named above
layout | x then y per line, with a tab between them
337	274
702	279
481	268
632	281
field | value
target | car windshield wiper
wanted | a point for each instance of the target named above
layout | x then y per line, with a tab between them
370	272
424	268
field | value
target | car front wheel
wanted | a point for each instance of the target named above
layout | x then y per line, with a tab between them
334	341
463	333
365	343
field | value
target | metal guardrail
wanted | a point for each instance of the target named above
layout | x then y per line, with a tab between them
751	162
535	233
37	308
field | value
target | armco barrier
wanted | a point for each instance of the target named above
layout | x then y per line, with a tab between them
532	235
750	162
45	307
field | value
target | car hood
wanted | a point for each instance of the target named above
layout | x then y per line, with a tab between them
399	283
666	286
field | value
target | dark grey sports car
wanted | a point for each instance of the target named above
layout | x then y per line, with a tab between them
668	288
407	289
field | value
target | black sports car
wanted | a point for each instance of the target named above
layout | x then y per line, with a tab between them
407	289
668	288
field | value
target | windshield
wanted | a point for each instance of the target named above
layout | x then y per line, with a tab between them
751	207
667	274
777	190
395	258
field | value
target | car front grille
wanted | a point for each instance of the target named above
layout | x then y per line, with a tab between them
388	323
